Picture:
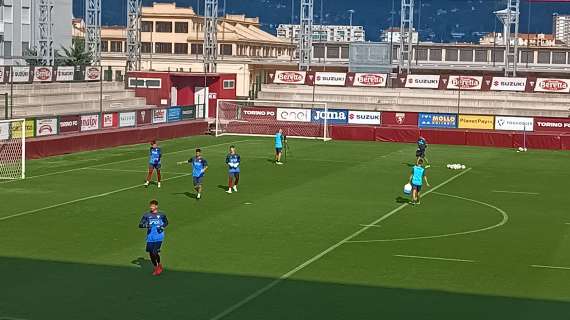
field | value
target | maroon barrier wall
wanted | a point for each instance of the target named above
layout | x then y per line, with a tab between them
62	144
362	133
396	134
489	139
537	141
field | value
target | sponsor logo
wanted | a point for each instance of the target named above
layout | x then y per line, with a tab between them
127	119
159	116
508	84
476	122
109	120
65	73
290	76
294	115
422	81
333	116
369	79
400	118
433	120
364	117
92	73
43	74
465	82
553	85
68	124
514	123
45	129
259	113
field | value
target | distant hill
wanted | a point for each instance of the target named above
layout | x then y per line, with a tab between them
440	20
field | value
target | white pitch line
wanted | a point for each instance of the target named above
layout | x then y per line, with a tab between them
34	211
517	192
317	257
115	162
549	267
130	171
432	258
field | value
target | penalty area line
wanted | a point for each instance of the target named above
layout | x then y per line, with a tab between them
317	257
432	258
517	192
549	267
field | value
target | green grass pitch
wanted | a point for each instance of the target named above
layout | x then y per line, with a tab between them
326	236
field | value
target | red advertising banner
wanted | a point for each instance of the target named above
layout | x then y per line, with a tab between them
552	124
290	77
144	117
43	74
92	74
403	119
69	124
552	85
259	113
110	120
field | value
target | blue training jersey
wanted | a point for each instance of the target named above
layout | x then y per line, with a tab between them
279	140
154	224
154	156
233	162
418	175
198	165
422	144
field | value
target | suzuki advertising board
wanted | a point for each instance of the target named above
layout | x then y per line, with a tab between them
159	116
64	74
508	84
89	122
174	114
293	115
552	124
127	119
364	117
330	79
69	124
465	83
476	122
333	116
552	85
290	77
437	120
422	81
514	123
46	127
370	80
20	74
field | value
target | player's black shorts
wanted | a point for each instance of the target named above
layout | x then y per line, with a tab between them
278	150
417	187
420	153
154	166
153	247
197	180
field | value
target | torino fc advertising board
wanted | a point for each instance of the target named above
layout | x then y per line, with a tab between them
258	113
422	81
552	124
293	115
46	127
514	123
369	80
330	79
437	120
290	77
508	84
69	124
465	83
333	116
364	117
552	85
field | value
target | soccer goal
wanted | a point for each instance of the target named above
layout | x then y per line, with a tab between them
298	119
12	149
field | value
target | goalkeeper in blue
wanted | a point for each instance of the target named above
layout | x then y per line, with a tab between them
233	161
154	222
155	155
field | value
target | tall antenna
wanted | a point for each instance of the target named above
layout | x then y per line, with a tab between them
46	49
134	13
406	35
93	29
306	36
210	36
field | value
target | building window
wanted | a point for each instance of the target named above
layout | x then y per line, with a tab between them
344	52
451	55
319	52
8	48
8	17
163	26
146	47
558	57
181	27
104	46
333	52
26	15
146	26
181	48
196	48
25	46
466	55
421	54
116	46
434	55
226	49
163	47
229	84
480	55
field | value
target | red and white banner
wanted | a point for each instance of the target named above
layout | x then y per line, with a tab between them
514	123
465	83
144	117
46	127
294	115
89	122
92	74
552	124
69	124
63	74
259	113
330	79
364	117
110	120
159	116
370	80
508	84
406	119
43	74
552	85
290	77
422	81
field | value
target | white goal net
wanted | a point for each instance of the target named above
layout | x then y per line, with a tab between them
299	119
12	149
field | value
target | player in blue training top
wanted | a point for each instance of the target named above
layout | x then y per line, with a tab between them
279	138
199	167
154	222
421	150
416	180
233	161
154	158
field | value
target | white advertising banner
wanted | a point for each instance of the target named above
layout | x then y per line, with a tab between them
465	82
20	74
43	74
4	131
422	81
89	122
290	77
552	85
64	74
508	84
370	80
364	117
330	79
46	127
294	115
92	74
159	116
127	119
514	123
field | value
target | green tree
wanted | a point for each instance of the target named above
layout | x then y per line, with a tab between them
76	55
32	59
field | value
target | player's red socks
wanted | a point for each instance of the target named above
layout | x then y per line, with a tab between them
149	176
237	179
230	182
158	176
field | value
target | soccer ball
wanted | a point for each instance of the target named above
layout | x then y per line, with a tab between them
407	189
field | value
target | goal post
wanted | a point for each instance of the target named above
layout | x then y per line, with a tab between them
297	119
12	149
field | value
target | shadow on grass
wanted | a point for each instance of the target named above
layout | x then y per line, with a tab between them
220	186
37	289
186	194
401	199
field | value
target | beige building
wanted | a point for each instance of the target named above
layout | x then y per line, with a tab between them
172	39
524	39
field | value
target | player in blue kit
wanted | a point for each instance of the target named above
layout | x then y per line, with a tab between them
416	180
154	222
421	150
155	155
279	138
233	161
199	167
